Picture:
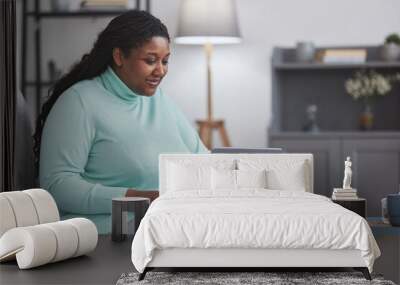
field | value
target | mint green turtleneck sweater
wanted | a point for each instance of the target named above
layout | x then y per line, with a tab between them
101	138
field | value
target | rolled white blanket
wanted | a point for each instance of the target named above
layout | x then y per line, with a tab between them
40	244
66	237
45	206
87	235
23	208
7	220
31	232
26	208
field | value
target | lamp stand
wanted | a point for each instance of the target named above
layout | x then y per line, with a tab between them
207	126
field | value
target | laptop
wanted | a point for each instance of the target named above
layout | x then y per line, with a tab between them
246	150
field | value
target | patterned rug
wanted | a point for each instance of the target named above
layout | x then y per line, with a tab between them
243	278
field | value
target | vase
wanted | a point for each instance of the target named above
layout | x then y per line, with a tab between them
390	52
367	118
305	51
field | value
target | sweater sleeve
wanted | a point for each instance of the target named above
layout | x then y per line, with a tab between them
188	134
67	138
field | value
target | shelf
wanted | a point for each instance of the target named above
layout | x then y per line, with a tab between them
370	64
79	13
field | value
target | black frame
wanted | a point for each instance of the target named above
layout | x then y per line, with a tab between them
8	93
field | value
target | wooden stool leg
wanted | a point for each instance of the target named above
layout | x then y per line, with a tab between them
205	133
209	131
224	135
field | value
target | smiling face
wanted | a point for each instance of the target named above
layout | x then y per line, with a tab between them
143	68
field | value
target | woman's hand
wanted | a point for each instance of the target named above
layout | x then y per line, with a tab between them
153	194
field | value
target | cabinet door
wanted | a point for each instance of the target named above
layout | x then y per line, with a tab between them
326	160
376	169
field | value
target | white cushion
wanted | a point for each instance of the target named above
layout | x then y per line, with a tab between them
45	206
227	179
251	178
223	179
32	246
23	208
282	174
275	162
31	232
26	208
292	179
187	177
67	239
188	174
87	233
40	244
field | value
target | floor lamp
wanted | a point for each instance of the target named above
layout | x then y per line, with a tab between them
208	23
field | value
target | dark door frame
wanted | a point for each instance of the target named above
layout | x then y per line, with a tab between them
7	92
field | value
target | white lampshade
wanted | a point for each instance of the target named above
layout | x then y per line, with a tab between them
207	21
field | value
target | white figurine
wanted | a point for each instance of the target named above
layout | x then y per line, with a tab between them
347	174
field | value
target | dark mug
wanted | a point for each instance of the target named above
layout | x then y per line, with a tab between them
393	205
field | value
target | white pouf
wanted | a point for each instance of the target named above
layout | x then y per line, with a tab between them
30	230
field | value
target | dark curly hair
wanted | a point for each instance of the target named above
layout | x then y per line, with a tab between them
127	31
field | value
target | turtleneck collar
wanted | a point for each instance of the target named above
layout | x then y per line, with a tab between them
117	87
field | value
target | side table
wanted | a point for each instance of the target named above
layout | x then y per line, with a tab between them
120	208
358	206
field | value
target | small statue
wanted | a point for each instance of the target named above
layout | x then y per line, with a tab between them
347	174
311	124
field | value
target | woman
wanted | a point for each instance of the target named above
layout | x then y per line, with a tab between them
106	122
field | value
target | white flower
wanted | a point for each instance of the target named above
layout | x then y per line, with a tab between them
365	84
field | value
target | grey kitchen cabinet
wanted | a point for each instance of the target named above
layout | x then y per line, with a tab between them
375	156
